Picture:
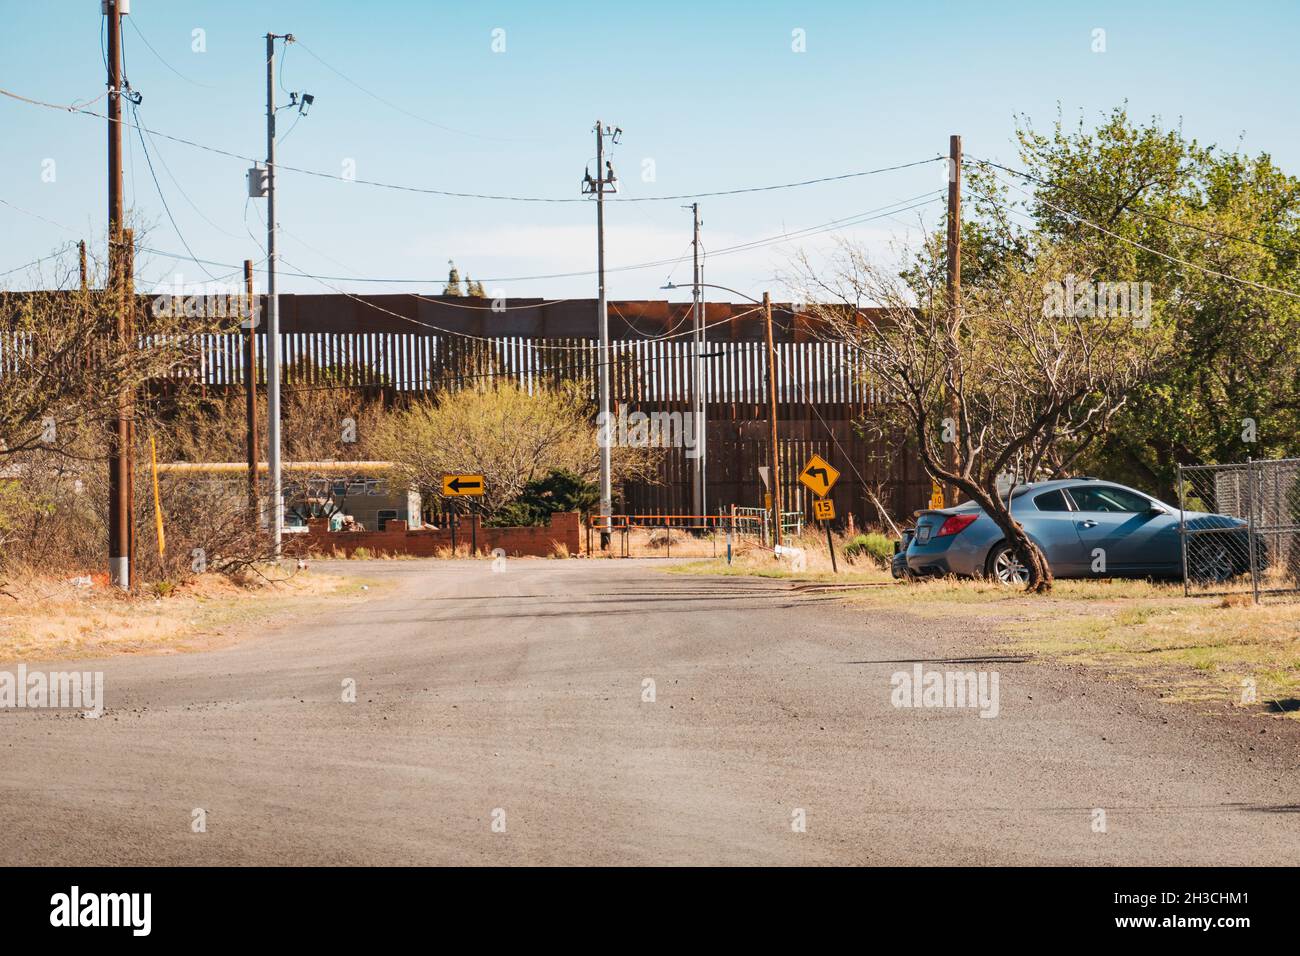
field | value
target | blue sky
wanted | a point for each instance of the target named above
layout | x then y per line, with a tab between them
712	93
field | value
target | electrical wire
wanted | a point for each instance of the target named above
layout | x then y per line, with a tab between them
391	105
158	186
829	226
26	212
35	262
471	195
483	338
834	438
179	188
159	56
807	232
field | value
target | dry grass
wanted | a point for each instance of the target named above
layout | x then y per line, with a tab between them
751	558
1198	649
1186	649
45	618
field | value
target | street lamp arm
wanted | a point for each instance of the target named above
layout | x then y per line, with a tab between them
709	285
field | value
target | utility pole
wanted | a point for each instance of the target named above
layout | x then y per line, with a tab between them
597	187
128	298
698	471
275	490
119	463
954	303
771	416
250	391
81	255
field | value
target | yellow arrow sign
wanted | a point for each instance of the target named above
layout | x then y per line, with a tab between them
463	486
819	476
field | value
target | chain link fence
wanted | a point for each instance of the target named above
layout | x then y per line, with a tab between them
1240	527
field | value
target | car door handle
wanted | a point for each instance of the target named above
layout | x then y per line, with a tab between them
1088	524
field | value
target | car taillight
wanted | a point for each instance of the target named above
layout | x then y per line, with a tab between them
955	524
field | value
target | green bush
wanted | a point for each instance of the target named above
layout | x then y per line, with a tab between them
559	491
874	546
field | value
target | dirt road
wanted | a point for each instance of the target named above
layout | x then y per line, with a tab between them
518	699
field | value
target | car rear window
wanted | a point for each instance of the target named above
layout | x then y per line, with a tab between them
1051	501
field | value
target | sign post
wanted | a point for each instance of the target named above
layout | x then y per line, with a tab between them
824	511
463	486
819	477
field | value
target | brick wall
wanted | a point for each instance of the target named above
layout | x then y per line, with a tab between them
565	528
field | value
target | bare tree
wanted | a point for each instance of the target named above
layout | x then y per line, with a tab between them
1033	378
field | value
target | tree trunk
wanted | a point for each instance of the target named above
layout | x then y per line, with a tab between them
1027	553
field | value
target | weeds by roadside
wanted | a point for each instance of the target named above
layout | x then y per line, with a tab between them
55	618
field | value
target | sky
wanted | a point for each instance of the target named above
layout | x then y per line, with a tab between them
502	98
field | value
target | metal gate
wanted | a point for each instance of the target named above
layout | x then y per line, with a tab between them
1240	527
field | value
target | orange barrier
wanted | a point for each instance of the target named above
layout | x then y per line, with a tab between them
627	522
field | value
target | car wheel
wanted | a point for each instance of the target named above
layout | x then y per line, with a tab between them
1211	561
1004	567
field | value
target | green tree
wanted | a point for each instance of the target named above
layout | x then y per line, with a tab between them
1212	230
559	491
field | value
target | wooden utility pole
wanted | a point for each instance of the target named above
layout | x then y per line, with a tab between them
129	399
119	462
771	416
954	304
250	389
81	255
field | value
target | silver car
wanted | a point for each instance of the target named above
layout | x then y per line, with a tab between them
1086	528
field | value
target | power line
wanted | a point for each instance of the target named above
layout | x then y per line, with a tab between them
829	226
154	176
456	194
807	232
392	105
164	62
36	262
34	215
484	338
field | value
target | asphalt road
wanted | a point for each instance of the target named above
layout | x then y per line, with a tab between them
516	698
